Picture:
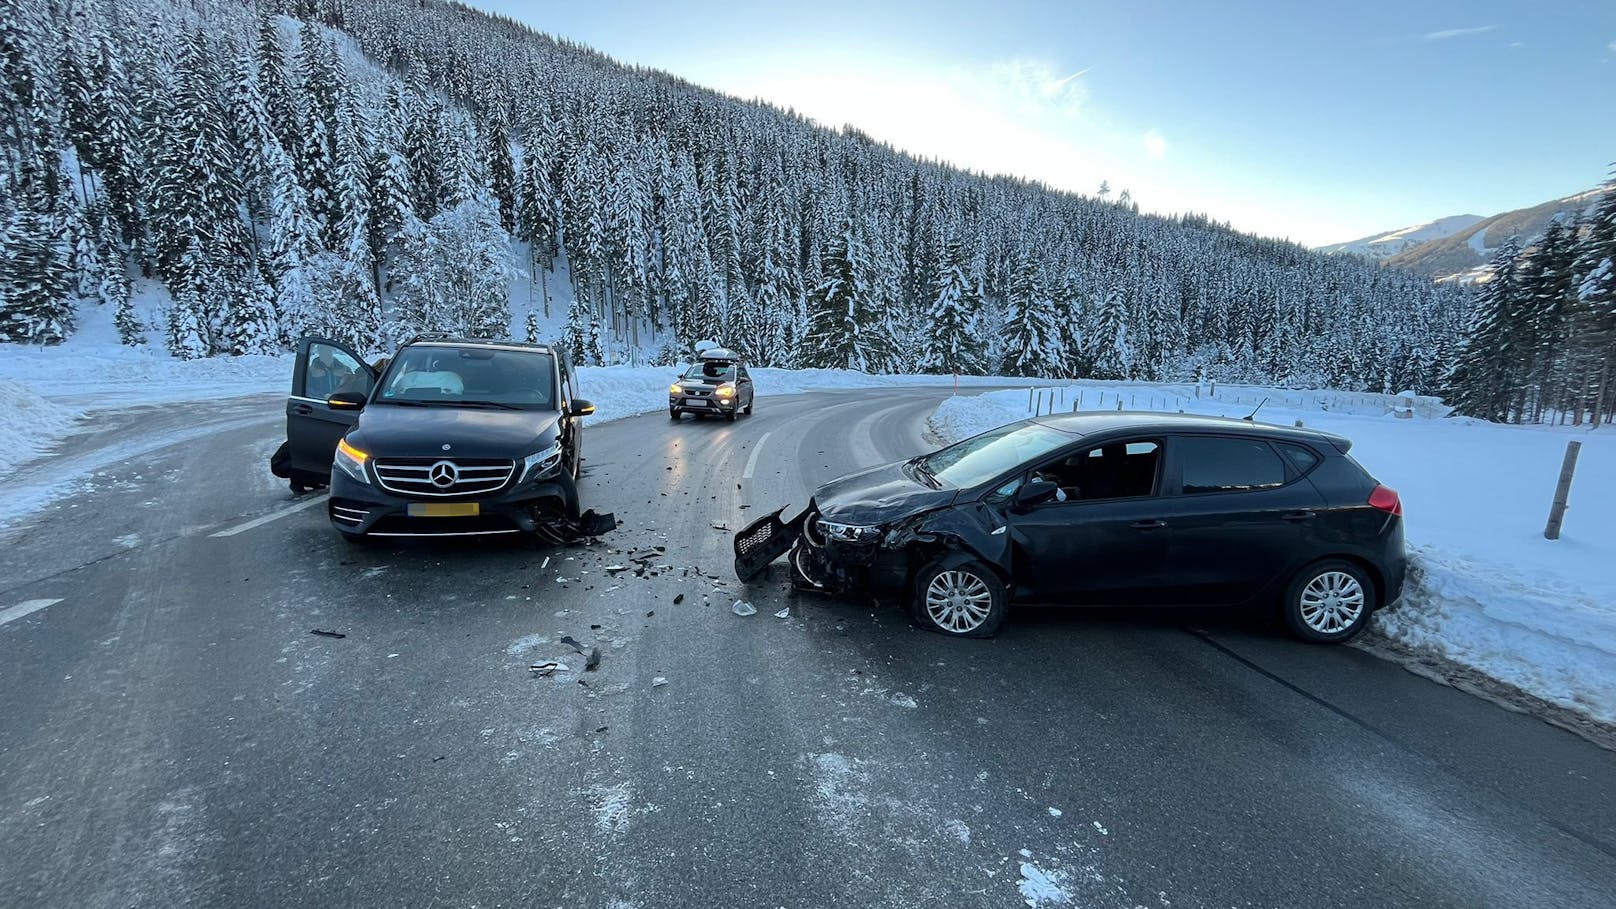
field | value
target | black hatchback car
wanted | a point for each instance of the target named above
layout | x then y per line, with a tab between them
1115	509
454	437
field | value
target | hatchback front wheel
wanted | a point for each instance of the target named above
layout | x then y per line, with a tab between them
959	597
1329	602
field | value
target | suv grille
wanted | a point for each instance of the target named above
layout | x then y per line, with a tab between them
443	476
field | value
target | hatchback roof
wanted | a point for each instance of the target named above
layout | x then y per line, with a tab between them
1083	424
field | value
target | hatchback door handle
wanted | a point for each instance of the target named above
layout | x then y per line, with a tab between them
1148	525
1301	516
303	410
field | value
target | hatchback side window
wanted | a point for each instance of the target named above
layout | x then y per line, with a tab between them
1302	459
1213	464
1117	470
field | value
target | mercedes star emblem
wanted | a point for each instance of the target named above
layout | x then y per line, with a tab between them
443	474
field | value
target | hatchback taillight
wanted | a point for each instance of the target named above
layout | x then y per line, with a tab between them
1384	498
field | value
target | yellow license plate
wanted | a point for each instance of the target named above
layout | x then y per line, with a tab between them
444	510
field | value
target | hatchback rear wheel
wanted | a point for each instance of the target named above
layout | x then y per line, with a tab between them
1329	602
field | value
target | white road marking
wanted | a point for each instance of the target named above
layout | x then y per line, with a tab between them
757	449
26	607
272	516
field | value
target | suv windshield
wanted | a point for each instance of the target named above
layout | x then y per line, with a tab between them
991	454
471	376
710	372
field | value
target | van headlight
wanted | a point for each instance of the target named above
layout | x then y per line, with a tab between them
849	533
351	461
540	463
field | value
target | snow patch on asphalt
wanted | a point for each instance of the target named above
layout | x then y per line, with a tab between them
1042	888
32	424
614	807
958	830
842	786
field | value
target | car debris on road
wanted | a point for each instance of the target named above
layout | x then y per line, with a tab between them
743	608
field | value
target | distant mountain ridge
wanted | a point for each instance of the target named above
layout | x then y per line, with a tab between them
1457	248
1385	245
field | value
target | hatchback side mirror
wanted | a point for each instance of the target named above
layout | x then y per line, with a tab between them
1034	493
580	408
346	400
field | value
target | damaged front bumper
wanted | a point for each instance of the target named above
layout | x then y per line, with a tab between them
817	563
545	510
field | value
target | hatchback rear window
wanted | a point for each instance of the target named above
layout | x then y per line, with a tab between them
1212	464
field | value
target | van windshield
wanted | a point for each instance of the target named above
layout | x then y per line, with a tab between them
470	376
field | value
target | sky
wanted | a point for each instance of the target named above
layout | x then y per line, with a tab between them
1319	122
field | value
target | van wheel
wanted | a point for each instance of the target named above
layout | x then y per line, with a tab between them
960	597
1329	602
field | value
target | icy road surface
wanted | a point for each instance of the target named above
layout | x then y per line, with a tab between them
174	734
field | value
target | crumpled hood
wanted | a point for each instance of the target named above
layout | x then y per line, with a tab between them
880	495
392	431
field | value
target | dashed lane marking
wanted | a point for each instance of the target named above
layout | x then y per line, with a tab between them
757	449
26	607
272	516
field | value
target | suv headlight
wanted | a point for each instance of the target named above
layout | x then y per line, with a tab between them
675	389
540	463
725	391
351	461
849	533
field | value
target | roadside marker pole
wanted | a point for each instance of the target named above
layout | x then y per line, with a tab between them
1562	491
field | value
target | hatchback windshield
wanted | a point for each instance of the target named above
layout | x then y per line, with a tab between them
991	454
471	376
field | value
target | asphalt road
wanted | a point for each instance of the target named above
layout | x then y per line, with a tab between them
172	733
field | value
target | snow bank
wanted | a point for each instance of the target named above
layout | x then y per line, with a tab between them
31	425
1485	589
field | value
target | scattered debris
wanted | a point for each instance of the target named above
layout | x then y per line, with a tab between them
784	613
1101	827
614	569
658	682
720	525
650	613
743	608
594	627
1054	812
546	563
326	634
544	669
438	758
678	599
570	642
603	729
592	662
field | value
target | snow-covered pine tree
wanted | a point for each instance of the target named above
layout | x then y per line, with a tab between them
1111	353
195	193
951	343
250	317
452	274
1072	320
1032	336
35	279
294	246
839	306
501	169
1478	382
531	333
1593	329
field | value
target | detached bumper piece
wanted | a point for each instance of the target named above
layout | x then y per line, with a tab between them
764	540
392	520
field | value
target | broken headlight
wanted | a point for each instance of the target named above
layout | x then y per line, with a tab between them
540	463
849	533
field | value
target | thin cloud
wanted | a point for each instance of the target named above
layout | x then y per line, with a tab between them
1612	46
1447	33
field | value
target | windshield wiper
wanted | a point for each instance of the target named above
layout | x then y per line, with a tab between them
926	474
500	404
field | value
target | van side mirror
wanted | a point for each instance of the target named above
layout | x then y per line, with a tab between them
346	400
1034	493
580	408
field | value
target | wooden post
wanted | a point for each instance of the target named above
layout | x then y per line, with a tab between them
1562	491
1029	397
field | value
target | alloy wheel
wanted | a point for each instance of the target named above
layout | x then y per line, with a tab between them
1332	602
958	601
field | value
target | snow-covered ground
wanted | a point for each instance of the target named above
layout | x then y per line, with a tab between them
1486	589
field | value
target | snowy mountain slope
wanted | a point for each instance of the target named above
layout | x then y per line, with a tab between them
1485	590
1381	246
1464	251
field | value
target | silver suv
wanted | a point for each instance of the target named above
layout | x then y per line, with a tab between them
717	383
